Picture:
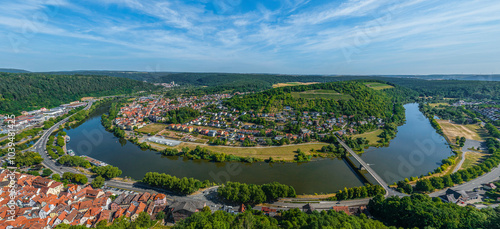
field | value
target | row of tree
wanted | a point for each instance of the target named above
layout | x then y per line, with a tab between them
180	185
27	159
73	161
358	192
254	194
73	178
107	171
463	175
205	154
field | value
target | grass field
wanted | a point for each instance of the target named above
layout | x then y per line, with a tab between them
370	136
378	86
292	84
152	128
470	131
438	104
320	94
472	158
286	153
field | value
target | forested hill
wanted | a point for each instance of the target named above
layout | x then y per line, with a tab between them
28	91
13	70
451	88
346	97
213	82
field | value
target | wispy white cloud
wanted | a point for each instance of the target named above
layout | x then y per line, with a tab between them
289	33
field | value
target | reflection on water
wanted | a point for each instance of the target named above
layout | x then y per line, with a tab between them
319	176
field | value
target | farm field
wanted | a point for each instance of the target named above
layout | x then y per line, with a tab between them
320	94
292	84
378	86
438	104
469	131
372	137
153	128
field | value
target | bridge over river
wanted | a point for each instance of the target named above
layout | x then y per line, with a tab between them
388	191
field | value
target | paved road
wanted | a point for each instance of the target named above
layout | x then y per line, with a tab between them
469	144
485	178
286	204
41	144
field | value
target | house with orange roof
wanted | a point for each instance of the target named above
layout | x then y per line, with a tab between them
144	197
160	199
93	194
119	213
102	202
140	208
70	217
83	205
130	211
44	212
103	215
60	219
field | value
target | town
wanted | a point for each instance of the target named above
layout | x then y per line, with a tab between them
232	126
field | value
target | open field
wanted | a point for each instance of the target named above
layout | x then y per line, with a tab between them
370	136
469	131
378	86
292	84
472	158
286	153
152	128
320	94
438	104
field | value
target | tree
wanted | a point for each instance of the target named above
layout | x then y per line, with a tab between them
437	182
98	182
456	178
424	185
56	177
46	172
160	215
143	220
107	171
447	181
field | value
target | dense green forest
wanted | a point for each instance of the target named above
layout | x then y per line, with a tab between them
450	88
446	86
366	102
420	211
28	91
293	218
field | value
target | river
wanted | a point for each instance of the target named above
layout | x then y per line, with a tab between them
319	176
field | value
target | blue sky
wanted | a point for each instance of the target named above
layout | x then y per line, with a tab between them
269	36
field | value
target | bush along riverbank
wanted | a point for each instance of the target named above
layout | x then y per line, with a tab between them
432	183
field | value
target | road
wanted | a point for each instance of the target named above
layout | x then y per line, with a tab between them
41	144
470	185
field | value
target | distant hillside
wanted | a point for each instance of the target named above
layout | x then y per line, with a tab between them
12	70
453	86
347	98
28	91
